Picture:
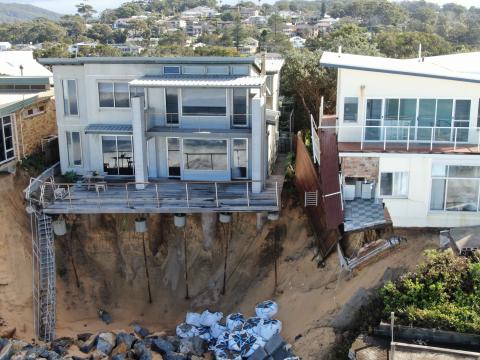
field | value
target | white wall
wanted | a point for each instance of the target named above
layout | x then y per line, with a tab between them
368	84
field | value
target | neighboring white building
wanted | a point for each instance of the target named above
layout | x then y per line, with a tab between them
75	48
185	118
249	46
199	12
4	45
297	42
410	130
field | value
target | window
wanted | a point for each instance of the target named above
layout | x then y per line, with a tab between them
70	102
171	70
350	109
455	187
194	69
240	117
203	154
117	155
6	139
204	102
240	158
174	157
33	111
74	148
394	184
217	70
113	95
240	70
171	104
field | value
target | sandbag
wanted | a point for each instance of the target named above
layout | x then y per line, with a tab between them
252	324
266	309
185	331
249	348
204	333
238	340
217	329
194	319
268	328
235	321
209	318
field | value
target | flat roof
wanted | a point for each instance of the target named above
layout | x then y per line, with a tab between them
150	60
460	67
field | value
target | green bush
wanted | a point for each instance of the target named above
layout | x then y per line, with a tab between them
70	176
443	293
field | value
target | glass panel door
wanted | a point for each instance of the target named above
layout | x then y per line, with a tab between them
240	158
426	118
391	119
174	157
117	155
462	120
171	105
373	120
407	117
443	122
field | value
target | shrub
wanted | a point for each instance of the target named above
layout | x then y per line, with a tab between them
443	293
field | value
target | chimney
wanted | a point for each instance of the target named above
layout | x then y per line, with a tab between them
263	61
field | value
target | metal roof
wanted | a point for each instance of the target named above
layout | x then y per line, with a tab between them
149	60
10	103
460	67
199	81
108	129
24	80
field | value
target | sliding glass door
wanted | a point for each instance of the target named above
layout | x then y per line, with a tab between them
117	155
462	120
373	121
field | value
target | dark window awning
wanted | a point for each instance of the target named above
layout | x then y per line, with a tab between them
109	129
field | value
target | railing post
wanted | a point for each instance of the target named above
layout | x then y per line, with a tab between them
276	193
431	139
69	195
156	192
186	192
126	193
248	196
216	193
455	140
478	140
384	138
408	138
363	136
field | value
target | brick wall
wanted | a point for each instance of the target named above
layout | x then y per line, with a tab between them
366	167
31	130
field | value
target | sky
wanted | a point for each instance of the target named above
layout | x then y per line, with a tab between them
68	6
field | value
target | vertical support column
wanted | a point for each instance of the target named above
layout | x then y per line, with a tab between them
258	143
139	142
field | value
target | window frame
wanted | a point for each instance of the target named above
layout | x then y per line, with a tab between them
228	165
180	144
394	180
116	136
233	154
179	115
114	107
68	135
247	115
343	109
203	116
65	112
172	67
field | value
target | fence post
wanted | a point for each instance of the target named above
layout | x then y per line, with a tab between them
186	192
363	135
158	199
384	138
248	196
126	193
408	138
455	140
216	193
431	139
69	195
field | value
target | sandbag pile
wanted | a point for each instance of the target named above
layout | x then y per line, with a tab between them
236	337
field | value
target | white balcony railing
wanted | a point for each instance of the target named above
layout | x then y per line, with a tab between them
408	135
154	118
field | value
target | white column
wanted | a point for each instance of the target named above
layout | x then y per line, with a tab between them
258	143
139	142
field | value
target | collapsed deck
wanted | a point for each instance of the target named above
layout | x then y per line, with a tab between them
159	197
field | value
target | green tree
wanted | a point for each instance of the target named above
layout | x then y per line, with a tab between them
55	50
100	32
85	10
74	26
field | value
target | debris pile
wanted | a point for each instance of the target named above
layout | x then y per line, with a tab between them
202	336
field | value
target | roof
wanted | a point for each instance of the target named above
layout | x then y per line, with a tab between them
149	60
24	80
199	81
460	67
10	62
273	63
12	102
108	129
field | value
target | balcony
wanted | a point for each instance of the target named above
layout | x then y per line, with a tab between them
168	196
403	138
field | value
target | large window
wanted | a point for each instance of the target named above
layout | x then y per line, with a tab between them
117	155
240	158
74	148
455	187
113	95
204	102
6	139
174	157
203	154
350	109
70	102
171	70
394	184
171	102
240	117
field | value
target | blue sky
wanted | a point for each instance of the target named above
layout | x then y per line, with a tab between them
68	6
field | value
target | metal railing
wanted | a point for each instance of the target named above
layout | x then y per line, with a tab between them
168	194
408	135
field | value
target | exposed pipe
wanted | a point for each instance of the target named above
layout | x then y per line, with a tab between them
146	269
185	253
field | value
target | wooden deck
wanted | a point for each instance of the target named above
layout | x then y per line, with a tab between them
162	197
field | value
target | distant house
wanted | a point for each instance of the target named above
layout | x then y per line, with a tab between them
27	108
325	25
297	42
199	12
258	20
4	45
75	48
123	23
128	48
246	12
249	46
194	30
177	24
306	30
288	29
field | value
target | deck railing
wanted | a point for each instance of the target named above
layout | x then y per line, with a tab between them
171	194
408	135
